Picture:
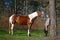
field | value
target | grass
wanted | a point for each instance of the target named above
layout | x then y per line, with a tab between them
22	35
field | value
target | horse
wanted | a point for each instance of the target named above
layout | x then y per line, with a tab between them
23	20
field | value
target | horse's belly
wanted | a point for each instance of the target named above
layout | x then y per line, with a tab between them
23	22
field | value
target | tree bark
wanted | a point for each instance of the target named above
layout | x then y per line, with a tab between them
53	18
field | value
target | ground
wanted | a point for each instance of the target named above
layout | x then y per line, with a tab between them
22	35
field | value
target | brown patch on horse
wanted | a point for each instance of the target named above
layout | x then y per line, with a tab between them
22	20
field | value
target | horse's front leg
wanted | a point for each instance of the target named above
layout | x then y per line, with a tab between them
12	26
29	26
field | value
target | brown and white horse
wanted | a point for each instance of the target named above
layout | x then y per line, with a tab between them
23	20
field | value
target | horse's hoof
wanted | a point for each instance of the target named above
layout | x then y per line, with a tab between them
29	35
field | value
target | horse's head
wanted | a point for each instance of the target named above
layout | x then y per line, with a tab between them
40	13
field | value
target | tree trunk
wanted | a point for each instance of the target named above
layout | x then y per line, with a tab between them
53	18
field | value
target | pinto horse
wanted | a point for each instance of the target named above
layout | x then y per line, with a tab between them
23	20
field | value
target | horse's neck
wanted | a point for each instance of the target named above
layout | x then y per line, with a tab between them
33	15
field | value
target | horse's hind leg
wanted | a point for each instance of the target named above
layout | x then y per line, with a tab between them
29	25
12	26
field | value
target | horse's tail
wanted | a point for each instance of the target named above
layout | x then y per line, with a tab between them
9	26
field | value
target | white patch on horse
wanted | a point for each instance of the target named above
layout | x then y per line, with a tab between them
10	19
33	15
